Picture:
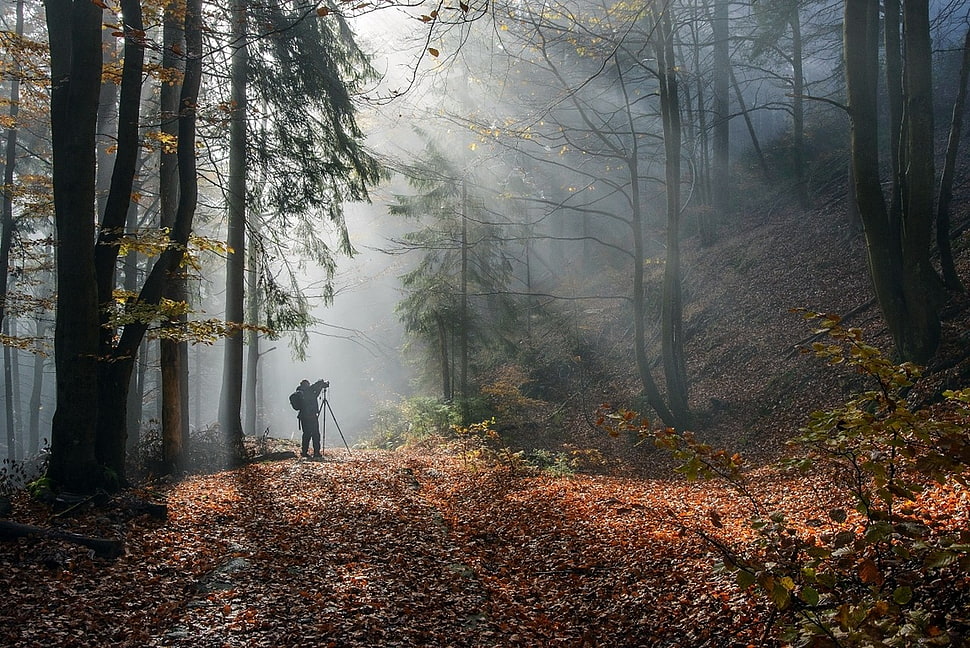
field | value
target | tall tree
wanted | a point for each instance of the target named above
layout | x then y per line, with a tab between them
7	226
88	432
675	366
230	402
310	158
720	184
173	351
907	287
456	300
947	175
74	28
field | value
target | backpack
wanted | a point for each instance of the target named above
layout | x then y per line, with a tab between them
296	401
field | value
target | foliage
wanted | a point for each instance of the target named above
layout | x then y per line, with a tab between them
457	296
412	421
885	572
15	475
504	396
310	152
42	489
480	445
555	464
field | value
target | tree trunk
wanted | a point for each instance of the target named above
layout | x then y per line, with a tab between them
445	364
7	225
102	547
675	369
721	190
464	328
115	369
74	30
172	352
798	109
252	348
230	403
752	132
904	283
922	287
638	301
894	92
9	400
37	387
950	276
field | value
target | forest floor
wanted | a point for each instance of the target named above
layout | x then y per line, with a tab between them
373	548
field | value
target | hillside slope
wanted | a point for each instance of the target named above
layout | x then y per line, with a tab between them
751	388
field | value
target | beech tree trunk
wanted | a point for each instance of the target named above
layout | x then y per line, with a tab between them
720	186
114	369
675	366
173	353
230	402
907	288
74	30
950	276
798	109
7	225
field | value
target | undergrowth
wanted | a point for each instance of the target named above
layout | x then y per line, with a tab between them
890	570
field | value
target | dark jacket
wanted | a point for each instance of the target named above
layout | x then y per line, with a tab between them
310	393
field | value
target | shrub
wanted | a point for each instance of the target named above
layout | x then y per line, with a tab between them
412	421
886	572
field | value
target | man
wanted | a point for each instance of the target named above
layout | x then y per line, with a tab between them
308	415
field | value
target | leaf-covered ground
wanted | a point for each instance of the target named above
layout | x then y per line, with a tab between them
392	549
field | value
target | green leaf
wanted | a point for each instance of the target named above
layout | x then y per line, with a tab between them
745	579
809	595
780	596
903	595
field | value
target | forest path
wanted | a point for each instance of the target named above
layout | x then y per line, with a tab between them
378	549
341	552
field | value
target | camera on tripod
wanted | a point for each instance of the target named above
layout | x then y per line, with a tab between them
326	384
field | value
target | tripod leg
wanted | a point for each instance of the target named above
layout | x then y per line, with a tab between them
341	432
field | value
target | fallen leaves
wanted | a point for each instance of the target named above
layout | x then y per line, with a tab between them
389	549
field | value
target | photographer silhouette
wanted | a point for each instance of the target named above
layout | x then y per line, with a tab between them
308	415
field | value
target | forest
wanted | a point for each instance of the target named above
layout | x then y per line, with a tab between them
622	323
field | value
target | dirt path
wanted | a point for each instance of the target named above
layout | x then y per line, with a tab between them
343	552
379	549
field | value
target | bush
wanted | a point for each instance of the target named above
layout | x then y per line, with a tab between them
412	421
886	572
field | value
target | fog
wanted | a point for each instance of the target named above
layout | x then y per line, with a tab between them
355	345
357	341
512	122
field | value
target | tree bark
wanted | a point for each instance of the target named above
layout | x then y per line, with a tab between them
905	284
74	30
922	287
464	327
675	370
721	190
230	403
945	198
443	357
798	108
638	300
114	368
172	352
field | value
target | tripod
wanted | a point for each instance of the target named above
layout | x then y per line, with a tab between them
324	408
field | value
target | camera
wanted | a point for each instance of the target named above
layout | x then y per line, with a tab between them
326	384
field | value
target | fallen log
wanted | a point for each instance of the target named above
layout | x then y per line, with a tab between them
102	547
274	456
